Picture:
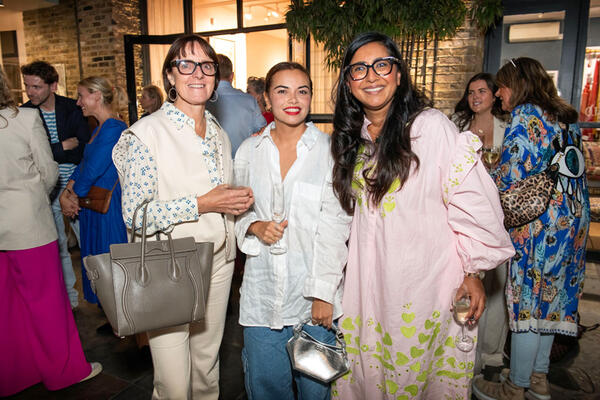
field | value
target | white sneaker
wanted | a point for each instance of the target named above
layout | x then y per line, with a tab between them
96	369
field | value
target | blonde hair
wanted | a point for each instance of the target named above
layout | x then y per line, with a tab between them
6	98
113	96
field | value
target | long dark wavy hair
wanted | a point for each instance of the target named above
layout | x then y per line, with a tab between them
392	152
463	112
530	83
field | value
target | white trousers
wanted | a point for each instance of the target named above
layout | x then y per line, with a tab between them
186	357
493	324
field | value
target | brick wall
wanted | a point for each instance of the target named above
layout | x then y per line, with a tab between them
96	38
51	35
458	59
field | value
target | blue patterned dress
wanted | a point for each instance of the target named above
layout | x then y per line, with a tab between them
546	275
98	231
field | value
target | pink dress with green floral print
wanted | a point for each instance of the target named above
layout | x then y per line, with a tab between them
407	255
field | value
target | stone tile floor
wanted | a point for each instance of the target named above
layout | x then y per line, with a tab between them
127	370
127	373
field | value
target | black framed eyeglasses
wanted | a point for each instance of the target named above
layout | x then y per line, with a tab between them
381	66
187	67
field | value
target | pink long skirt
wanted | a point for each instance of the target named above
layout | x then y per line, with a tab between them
39	341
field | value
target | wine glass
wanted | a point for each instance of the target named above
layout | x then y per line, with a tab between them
491	156
241	170
278	214
460	306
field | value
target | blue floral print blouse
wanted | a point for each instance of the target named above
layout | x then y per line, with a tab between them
546	275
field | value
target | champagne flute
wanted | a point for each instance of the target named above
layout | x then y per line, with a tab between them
278	214
460	307
491	156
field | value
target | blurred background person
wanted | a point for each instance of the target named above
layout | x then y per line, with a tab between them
545	278
256	88
480	111
99	99
39	341
68	133
151	99
237	112
189	156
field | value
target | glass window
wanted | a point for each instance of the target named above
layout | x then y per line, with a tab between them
538	36
325	127
252	54
10	64
234	47
299	51
323	80
264	12
588	109
214	15
158	53
266	49
165	17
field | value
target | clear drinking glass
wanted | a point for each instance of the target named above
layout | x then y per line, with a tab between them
278	214
491	156
461	306
241	171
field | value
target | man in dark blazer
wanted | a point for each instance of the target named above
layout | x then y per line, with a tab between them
68	132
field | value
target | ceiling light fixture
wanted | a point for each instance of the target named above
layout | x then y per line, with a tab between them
248	15
1	3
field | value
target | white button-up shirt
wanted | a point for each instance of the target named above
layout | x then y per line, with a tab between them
278	290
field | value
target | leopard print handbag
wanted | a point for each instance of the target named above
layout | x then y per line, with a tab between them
526	200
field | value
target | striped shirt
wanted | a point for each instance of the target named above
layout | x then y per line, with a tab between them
65	169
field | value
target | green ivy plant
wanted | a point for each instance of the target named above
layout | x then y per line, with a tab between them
334	23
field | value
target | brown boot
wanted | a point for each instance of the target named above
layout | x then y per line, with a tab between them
485	390
539	389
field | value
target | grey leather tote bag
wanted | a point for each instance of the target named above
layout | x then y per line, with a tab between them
152	284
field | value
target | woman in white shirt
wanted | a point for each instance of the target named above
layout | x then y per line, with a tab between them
305	282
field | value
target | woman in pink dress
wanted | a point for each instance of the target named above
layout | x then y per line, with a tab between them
427	219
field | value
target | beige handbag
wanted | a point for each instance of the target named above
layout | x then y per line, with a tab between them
152	284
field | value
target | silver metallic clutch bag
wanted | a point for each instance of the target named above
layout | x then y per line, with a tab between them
316	359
